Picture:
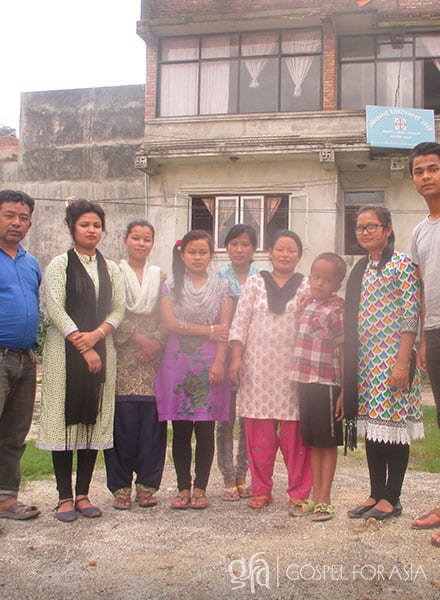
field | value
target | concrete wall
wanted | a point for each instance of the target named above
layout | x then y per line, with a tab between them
81	143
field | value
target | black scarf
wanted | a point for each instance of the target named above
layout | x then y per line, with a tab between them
278	297
84	389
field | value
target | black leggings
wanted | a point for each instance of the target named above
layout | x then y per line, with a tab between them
62	465
387	465
182	434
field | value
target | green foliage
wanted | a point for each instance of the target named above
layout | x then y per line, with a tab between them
424	454
42	331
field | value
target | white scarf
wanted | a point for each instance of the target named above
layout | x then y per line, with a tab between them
141	298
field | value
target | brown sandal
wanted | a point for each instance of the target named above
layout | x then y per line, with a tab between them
199	499
122	499
182	500
144	496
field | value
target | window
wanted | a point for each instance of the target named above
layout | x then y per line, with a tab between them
240	73
390	70
353	202
217	214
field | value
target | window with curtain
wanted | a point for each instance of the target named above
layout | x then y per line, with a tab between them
240	73
217	214
390	70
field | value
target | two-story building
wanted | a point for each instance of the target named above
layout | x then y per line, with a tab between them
255	113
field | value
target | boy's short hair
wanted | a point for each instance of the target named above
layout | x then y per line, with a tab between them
336	260
422	149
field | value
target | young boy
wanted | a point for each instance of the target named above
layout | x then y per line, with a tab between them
317	368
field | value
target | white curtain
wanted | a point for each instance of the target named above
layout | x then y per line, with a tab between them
301	42
432	44
179	81
254	45
178	90
214	84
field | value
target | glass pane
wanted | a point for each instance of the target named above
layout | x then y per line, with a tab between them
214	87
395	84
394	46
184	48
357	85
301	42
301	83
258	85
259	44
226	217
428	45
252	213
219	46
359	198
184	78
431	84
359	47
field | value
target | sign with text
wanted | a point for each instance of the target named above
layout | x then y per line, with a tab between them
396	127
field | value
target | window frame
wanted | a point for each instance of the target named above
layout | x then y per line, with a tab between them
416	58
279	56
212	220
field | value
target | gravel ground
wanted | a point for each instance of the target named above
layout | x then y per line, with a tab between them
226	551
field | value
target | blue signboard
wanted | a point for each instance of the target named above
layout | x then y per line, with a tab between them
395	127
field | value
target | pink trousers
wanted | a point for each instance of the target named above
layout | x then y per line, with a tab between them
263	438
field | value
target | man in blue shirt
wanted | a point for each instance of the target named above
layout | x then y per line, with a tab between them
20	278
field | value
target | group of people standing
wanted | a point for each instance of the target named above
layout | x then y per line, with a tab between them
128	350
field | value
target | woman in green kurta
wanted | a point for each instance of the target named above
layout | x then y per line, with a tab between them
85	302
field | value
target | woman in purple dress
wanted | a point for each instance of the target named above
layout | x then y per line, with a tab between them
192	386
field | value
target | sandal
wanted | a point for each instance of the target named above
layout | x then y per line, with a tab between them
303	508
293	502
323	512
144	496
244	490
67	516
91	512
259	502
199	499
431	520
122	499
182	500
19	512
231	494
435	539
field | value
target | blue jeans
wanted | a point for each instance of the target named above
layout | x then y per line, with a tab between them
17	395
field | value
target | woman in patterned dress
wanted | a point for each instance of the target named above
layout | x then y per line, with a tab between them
262	334
192	388
85	302
382	387
139	441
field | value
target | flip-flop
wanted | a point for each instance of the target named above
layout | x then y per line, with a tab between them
303	508
231	494
199	501
433	524
19	512
181	501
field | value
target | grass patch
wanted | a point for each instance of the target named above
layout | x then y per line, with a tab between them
37	464
424	454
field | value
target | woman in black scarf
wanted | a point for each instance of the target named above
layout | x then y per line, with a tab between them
85	303
381	387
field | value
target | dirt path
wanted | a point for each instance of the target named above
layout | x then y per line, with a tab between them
226	551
